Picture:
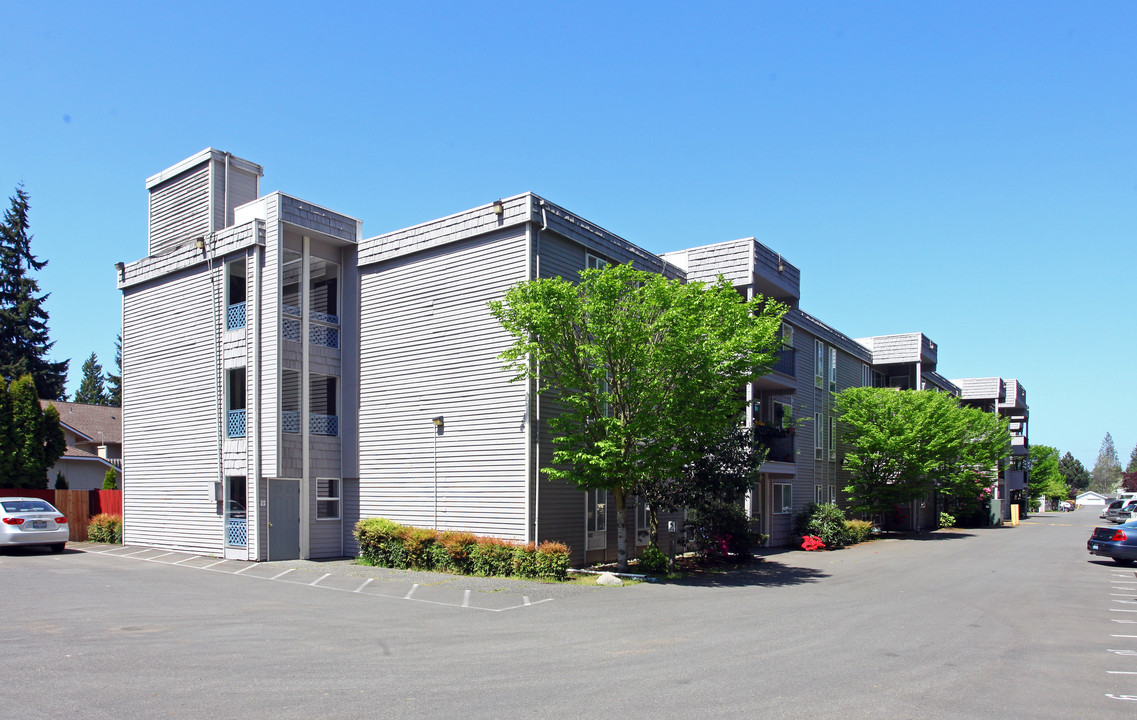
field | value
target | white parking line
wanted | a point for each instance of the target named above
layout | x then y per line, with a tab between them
159	556
1116	610
1121	672
466	599
317	580
366	582
281	574
1125	636
247	567
212	564
411	592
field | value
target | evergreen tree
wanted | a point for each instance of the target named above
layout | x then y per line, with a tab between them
24	343
1106	475
91	390
114	382
1132	466
37	436
1077	477
7	438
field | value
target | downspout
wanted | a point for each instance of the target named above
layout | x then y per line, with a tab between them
305	400
218	393
258	257
225	210
532	492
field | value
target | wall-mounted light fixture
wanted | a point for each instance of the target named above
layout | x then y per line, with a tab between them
781	265
438	421
498	208
120	269
199	243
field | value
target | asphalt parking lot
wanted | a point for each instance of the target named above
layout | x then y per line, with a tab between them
1000	622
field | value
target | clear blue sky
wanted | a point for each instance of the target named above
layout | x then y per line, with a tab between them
967	169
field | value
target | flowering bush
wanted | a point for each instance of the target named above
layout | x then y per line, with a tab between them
812	542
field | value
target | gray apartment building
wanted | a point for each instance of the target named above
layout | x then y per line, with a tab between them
283	376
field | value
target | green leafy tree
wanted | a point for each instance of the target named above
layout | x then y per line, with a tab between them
1046	478
907	443
37	436
1106	475
110	480
91	390
647	372
114	382
24	343
7	438
1075	473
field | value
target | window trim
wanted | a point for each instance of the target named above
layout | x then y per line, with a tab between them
337	498
832	369
819	363
593	262
779	492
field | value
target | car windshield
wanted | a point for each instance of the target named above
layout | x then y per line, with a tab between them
14	506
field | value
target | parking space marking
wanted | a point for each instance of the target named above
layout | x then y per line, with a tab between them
465	604
1125	636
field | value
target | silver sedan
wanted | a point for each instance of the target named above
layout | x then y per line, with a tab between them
31	521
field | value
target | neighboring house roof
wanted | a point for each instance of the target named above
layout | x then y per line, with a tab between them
101	424
1091	493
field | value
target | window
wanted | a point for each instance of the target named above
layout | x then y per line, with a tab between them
235	295
832	439
832	369
592	262
825	494
235	403
783	499
819	425
323	295
290	401
290	282
327	499
643	524
236	528
866	375
819	366
787	335
596	519
322	396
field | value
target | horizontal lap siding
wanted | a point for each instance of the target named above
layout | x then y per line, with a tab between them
179	209
170	415
428	347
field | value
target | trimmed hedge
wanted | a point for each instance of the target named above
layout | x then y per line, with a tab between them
386	543
104	528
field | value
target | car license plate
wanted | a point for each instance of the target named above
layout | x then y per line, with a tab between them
1093	547
39	524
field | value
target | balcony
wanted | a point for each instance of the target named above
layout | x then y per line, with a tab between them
328	425
235	316
235	424
323	329
783	373
1018	445
781	453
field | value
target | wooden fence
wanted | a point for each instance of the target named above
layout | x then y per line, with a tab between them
78	505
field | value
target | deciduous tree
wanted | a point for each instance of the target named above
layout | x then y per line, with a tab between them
1046	478
647	371
907	443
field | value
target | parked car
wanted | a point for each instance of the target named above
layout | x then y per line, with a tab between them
1114	506
1121	513
31	521
1118	543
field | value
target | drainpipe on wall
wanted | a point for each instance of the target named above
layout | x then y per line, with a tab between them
252	489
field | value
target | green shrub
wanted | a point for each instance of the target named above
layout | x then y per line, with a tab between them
858	531
379	542
417	543
826	521
110	480
552	560
104	528
525	561
493	557
720	529
60	481
653	560
458	548
947	520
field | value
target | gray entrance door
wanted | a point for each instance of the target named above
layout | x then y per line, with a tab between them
283	519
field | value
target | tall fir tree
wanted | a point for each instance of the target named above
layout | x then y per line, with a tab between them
91	390
1132	466
114	382
7	438
24	343
1077	477
1106	475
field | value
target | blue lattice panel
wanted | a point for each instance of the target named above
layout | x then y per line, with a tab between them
235	424
290	422
290	329
235	317
324	425
237	532
324	335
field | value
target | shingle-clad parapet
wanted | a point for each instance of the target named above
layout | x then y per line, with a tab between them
828	334
309	215
743	262
984	388
901	348
1015	395
188	255
933	380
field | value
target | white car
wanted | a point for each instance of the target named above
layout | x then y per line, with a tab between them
31	521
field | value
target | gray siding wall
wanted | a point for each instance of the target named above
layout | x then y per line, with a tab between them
242	189
428	347
170	414
179	210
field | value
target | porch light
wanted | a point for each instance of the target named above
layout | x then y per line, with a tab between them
199	243
498	208
438	421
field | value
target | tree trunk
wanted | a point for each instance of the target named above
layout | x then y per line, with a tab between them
621	531
653	523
